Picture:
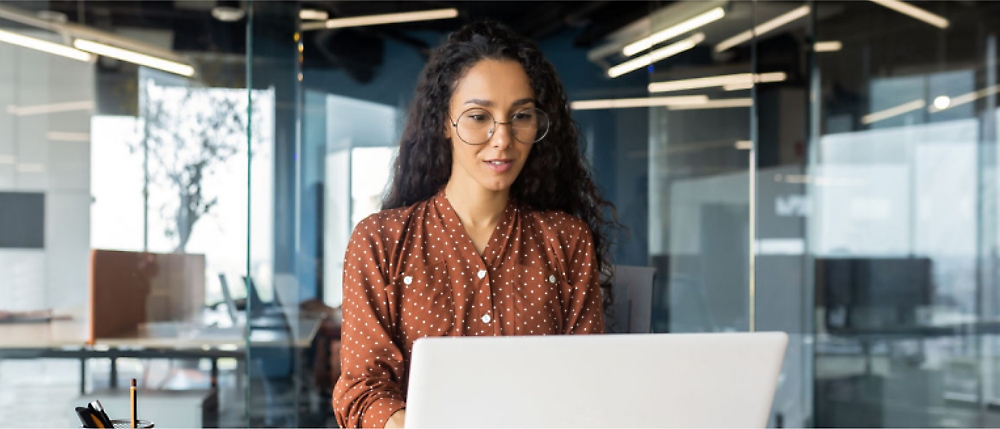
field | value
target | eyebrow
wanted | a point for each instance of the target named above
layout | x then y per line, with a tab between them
488	103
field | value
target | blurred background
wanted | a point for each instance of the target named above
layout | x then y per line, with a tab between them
179	179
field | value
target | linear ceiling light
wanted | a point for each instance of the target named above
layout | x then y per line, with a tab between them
914	12
389	18
715	104
134	57
729	81
760	30
771	77
738	86
42	109
313	15
829	46
893	111
657	55
625	103
44	46
962	99
673	31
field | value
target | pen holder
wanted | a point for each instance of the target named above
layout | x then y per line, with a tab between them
126	423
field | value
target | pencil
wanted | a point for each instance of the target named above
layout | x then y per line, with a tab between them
132	399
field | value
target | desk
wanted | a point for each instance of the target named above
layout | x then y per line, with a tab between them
863	384
928	330
58	333
68	339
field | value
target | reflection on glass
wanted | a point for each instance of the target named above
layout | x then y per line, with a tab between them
191	142
359	145
902	215
105	161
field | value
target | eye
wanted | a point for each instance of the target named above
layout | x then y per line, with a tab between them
524	115
478	116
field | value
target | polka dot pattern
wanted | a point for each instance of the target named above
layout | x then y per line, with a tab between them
413	272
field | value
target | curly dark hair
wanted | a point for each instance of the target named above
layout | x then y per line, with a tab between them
555	176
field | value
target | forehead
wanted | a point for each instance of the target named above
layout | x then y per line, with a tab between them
496	81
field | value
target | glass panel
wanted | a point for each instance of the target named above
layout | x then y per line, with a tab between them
45	219
281	276
699	152
781	285
902	222
122	200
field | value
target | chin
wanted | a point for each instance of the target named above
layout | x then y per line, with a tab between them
496	185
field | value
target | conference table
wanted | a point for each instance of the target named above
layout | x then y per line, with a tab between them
67	336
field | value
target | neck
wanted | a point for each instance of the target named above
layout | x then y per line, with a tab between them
476	207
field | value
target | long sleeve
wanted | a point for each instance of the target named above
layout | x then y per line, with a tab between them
369	389
585	314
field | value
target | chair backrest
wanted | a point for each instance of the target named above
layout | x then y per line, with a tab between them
633	294
227	297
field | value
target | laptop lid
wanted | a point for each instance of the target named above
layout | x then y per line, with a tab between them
633	380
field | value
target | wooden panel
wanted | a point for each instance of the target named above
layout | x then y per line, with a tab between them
131	288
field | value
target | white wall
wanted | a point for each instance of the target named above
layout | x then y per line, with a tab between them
350	124
33	159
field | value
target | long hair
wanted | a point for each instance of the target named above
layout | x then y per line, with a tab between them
555	176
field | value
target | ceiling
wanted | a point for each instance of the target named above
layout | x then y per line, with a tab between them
195	29
188	27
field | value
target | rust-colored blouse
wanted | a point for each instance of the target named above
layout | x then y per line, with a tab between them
414	272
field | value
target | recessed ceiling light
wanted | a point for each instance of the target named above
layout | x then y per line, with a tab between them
942	102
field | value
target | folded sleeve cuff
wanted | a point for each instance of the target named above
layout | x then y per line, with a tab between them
380	411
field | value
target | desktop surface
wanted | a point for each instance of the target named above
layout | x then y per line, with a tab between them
633	380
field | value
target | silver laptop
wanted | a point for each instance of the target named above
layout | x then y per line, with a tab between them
628	380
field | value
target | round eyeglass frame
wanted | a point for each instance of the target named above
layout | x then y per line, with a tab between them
548	126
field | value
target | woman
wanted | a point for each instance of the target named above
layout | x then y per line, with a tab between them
493	225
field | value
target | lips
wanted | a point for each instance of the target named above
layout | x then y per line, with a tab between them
499	165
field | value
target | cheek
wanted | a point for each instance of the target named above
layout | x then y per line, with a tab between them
462	152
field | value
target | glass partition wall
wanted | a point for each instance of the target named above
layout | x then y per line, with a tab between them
902	223
123	209
825	169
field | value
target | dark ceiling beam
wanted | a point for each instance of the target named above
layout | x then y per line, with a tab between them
611	17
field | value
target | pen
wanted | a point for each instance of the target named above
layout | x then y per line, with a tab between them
85	417
88	418
94	414
132	399
99	409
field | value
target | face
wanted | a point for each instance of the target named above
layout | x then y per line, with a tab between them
501	88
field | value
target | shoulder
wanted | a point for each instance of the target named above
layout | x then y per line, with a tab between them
389	224
566	227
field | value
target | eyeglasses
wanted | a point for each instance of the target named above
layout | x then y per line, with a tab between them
477	126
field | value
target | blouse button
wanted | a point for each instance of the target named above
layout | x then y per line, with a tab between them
552	279
481	273
407	279
486	318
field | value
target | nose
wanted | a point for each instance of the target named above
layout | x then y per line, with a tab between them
501	137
